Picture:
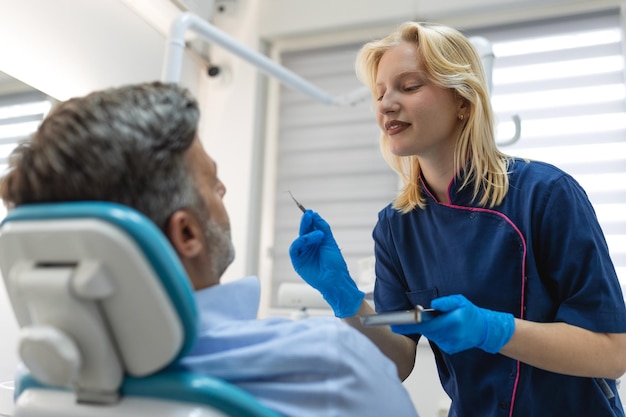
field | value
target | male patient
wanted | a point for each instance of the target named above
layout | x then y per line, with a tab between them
137	145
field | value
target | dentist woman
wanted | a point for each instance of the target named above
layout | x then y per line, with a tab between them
510	251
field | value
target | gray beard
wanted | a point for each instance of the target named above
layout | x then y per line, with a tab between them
221	250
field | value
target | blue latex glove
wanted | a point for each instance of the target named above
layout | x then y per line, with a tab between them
317	259
463	326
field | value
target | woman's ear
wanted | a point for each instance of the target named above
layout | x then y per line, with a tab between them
185	234
464	104
463	108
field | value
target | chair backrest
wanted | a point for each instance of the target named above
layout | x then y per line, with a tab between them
104	306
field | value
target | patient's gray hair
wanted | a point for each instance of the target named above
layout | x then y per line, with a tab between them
125	145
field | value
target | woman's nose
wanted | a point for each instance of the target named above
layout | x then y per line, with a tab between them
387	103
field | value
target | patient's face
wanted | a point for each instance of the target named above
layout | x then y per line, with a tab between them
217	226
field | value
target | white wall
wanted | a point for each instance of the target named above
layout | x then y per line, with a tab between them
66	48
229	129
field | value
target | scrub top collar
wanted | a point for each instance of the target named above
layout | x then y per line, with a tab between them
457	196
232	301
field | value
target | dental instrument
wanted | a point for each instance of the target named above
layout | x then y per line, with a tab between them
418	315
300	206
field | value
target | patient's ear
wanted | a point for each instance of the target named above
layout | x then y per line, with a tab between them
185	234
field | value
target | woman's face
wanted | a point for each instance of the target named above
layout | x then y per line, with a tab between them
418	117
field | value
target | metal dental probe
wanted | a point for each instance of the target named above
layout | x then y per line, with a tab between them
300	206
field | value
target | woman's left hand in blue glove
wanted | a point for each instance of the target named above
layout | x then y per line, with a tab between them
463	326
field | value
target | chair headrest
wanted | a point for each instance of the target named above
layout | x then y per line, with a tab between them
115	266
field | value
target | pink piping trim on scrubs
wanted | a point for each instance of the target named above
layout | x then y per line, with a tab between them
523	295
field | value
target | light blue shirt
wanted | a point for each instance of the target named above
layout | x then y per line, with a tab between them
317	367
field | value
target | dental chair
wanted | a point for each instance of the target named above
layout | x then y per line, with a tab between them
105	309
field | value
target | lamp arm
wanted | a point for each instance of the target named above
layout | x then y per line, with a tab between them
188	21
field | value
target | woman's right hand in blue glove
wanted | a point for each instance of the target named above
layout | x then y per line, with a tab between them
463	326
317	259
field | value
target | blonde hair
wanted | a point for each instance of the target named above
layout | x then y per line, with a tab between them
449	61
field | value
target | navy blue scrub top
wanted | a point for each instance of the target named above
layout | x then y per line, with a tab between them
539	255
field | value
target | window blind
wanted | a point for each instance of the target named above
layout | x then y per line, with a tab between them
565	79
20	115
328	157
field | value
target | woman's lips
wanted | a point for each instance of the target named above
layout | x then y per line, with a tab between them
395	126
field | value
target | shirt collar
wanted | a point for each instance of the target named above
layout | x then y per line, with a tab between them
232	301
458	196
